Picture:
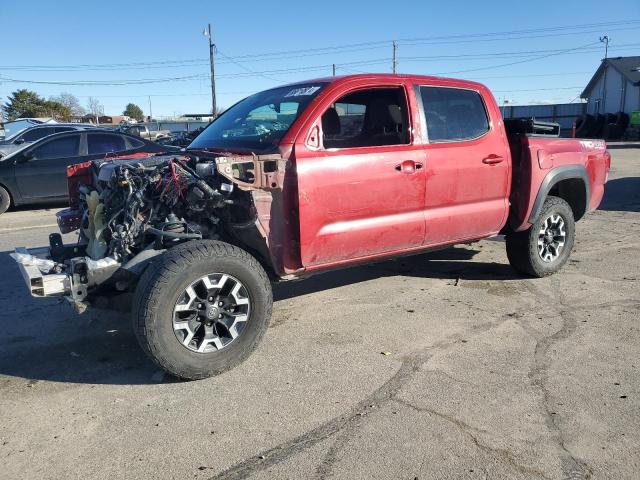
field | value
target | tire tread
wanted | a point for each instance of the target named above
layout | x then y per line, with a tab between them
153	284
523	257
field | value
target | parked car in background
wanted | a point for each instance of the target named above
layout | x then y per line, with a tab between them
8	129
38	172
143	131
32	134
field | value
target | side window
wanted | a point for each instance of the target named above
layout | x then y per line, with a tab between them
104	143
367	118
37	134
63	129
453	114
58	148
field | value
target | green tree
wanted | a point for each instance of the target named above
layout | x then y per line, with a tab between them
57	110
134	111
24	103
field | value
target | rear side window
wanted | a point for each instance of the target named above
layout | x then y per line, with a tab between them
453	114
104	143
37	134
63	129
58	148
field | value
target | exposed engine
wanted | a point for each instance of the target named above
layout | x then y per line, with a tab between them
129	210
130	205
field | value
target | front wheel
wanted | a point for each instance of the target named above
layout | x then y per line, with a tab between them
202	308
545	247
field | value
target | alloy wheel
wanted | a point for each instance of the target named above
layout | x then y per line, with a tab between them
211	313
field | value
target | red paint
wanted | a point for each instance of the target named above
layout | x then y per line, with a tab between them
348	205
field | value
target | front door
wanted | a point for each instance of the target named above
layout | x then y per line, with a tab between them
467	166
361	181
44	173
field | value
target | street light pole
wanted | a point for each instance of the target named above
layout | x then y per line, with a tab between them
212	47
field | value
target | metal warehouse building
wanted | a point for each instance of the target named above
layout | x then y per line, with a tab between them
615	87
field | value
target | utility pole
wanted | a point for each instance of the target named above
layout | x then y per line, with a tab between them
150	113
334	69
212	47
394	62
604	39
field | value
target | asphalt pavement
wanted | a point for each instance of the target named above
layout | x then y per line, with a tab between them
446	365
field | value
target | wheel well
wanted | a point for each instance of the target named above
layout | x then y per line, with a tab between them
574	192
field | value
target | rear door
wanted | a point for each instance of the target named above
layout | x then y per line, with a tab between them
44	175
467	164
360	178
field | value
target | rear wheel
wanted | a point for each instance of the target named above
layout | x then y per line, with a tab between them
545	247
5	200
202	308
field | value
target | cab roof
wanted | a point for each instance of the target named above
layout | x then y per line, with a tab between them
387	76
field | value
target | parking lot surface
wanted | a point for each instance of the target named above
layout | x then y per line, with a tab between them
442	365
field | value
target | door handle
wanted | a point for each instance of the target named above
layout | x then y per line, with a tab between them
408	167
492	159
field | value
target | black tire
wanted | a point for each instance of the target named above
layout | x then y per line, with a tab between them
522	247
165	281
5	200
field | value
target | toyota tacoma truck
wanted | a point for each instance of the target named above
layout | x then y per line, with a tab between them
300	179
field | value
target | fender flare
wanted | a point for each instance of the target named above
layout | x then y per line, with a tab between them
552	178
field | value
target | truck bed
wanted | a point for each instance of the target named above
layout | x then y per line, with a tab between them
535	159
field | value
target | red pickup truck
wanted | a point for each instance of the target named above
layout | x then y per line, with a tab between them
303	178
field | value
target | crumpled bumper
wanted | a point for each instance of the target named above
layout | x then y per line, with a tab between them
34	265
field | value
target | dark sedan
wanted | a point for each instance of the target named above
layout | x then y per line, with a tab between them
38	173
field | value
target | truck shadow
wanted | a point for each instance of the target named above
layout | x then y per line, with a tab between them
622	195
45	340
448	264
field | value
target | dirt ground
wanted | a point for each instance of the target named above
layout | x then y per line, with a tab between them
485	374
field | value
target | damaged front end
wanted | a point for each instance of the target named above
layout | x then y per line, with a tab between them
129	210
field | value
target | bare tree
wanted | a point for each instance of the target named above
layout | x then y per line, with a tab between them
95	108
71	102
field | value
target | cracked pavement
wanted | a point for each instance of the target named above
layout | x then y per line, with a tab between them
488	374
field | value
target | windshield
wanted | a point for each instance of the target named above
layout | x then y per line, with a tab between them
13	129
258	122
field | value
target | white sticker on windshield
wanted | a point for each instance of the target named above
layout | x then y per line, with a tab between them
303	91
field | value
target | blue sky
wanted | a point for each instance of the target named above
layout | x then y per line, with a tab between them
80	41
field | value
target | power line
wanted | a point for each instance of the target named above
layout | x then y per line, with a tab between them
337	49
526	55
568	50
247	68
140	81
475	36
